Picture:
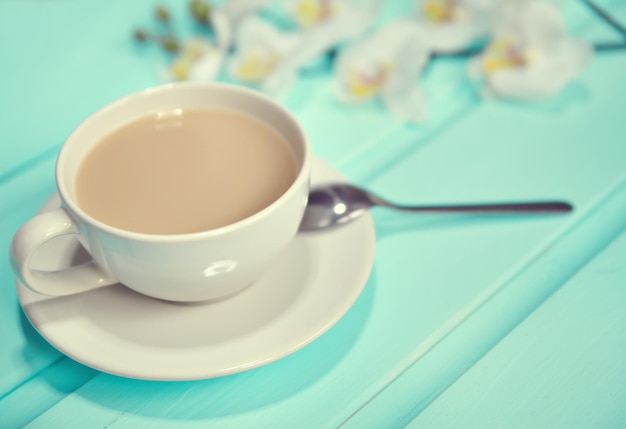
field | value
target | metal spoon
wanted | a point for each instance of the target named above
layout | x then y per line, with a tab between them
336	204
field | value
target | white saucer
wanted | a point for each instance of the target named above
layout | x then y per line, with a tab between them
118	331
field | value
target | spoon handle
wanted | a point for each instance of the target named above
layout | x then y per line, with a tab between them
522	207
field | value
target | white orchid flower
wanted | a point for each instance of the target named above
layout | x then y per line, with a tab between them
309	13
259	49
198	59
270	58
530	56
386	65
202	59
451	25
226	18
320	37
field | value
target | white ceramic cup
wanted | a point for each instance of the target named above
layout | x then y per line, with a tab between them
187	267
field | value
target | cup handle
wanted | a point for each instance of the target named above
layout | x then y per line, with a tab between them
31	236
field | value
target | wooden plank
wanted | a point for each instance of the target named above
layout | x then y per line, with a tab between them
438	362
64	60
563	367
23	352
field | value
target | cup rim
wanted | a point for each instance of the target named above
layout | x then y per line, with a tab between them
298	182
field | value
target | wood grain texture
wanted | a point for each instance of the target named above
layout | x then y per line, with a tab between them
563	367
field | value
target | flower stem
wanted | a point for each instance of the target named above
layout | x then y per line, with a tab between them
606	17
609	46
597	46
475	50
462	53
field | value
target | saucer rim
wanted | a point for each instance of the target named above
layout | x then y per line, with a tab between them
363	271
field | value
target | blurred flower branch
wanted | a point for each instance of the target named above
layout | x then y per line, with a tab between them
515	48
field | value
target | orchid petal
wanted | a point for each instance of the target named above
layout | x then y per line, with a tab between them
283	54
235	10
446	38
207	67
223	29
546	78
531	55
535	22
309	14
260	48
315	42
400	93
456	24
386	64
198	59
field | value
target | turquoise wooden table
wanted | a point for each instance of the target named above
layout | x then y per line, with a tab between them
464	322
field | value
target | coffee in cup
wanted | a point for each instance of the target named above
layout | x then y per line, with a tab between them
184	171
